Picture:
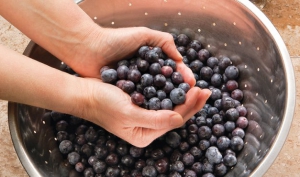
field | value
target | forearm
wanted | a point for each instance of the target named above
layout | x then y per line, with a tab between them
58	25
27	81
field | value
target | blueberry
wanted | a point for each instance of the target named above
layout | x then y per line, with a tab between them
215	94
224	62
196	152
242	110
151	56
92	160
73	158
213	155
229	126
157	154
122	72
188	159
154	103
204	132
191	54
88	172
196	66
142	65
212	62
236	143
149	171
66	146
206	73
109	76
166	104
112	159
189	173
182	50
231	85
202	84
134	75
112	171
161	94
237	94
170	62
177	78
220	169
178	96
174	174
207	167
146	80
139	164
122	149
184	146
217	119
238	132
216	80
138	98
227	103
62	135
154	69
149	92
184	86
232	72
101	152
128	86
242	122
168	87
99	166
177	166
232	114
195	44
86	150
167	71
223	143
159	80
136	151
162	165
218	130
61	125
173	139
183	40
123	62
142	51
79	167
208	175
127	160
229	160
91	134
203	55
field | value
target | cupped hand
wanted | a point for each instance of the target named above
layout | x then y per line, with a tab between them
112	109
104	46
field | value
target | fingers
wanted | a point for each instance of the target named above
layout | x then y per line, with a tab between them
195	100
157	120
187	73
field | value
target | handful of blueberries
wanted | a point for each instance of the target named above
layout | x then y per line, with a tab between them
207	145
150	78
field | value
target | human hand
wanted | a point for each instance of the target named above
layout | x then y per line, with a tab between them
112	109
105	46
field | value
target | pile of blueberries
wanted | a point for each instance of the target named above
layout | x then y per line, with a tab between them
207	145
150	78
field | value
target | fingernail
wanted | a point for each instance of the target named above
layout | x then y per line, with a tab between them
206	92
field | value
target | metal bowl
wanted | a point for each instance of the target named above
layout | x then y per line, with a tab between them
235	28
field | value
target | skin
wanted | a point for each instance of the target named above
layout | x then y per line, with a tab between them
72	36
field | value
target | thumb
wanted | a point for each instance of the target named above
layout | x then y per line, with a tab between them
162	119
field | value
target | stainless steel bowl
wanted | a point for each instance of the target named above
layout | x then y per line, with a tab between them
235	28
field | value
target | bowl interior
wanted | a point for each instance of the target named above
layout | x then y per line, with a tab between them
236	29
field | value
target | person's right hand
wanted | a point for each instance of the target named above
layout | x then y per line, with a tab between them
111	108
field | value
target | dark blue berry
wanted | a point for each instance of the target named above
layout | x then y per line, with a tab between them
177	96
66	146
109	76
213	155
166	104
